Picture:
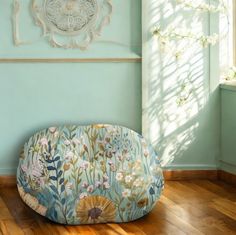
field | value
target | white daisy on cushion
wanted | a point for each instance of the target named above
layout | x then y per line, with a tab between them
90	188
126	193
44	141
106	185
69	155
128	179
85	165
83	195
67	142
119	176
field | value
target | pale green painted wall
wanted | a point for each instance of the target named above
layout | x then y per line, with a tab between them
228	128
34	96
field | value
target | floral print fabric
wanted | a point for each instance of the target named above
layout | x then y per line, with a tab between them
89	174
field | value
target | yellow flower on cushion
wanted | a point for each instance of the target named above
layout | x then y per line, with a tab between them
95	209
99	126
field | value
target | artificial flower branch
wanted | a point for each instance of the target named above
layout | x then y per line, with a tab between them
193	4
179	34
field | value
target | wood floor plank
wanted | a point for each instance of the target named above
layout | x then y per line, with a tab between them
224	209
200	218
186	207
221	189
9	227
197	213
131	229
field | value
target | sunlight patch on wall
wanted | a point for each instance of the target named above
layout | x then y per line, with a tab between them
177	88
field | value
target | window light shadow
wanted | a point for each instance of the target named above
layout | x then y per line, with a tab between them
177	89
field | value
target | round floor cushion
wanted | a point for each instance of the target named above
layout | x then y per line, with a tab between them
89	174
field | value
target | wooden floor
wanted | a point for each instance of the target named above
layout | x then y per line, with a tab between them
186	207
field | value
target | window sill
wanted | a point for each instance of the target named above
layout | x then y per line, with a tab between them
228	85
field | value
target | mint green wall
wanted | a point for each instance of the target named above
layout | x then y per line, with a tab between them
186	137
228	128
34	96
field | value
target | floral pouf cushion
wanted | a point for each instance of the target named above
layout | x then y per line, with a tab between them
89	174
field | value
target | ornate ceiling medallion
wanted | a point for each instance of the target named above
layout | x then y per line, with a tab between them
71	23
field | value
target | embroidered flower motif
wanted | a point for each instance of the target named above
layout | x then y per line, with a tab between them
138	182
66	167
90	188
52	129
98	184
99	126
85	165
95	209
43	141
69	155
119	176
85	185
113	167
105	177
106	185
67	142
56	134
128	178
126	193
76	141
142	203
83	195
146	153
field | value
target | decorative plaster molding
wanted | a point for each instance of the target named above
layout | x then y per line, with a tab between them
15	23
66	24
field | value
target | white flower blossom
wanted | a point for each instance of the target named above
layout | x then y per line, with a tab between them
69	155
119	176
52	129
126	193
44	141
84	184
128	178
85	165
83	195
90	188
67	142
98	184
106	185
138	182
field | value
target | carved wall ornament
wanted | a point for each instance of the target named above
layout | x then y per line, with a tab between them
67	23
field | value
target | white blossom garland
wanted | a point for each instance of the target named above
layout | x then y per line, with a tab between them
179	34
230	74
165	37
202	6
